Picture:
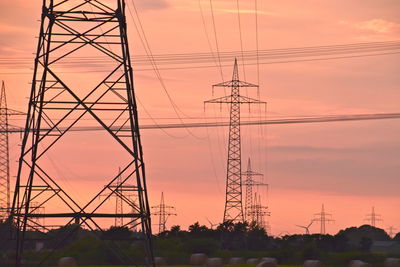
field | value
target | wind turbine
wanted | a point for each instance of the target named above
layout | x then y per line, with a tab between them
211	224
306	227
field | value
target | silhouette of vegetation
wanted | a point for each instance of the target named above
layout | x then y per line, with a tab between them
116	244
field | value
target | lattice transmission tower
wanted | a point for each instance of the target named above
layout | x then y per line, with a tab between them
373	217
233	198
163	212
125	196
4	156
250	182
391	231
61	98
5	193
259	212
323	218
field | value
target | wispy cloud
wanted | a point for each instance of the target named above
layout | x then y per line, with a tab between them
151	4
379	26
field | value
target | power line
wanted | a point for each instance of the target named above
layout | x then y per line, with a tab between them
212	66
240	37
208	40
201	58
216	39
149	53
296	120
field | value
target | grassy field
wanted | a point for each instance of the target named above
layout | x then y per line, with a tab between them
187	266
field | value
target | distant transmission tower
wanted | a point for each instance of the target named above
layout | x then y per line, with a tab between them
372	217
249	183
5	193
323	218
163	212
259	212
124	194
391	231
58	103
233	199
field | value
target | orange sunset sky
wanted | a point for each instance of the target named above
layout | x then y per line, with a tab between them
348	166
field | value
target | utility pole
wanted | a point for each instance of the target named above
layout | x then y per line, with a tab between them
5	193
58	103
323	218
249	183
233	198
163	212
373	217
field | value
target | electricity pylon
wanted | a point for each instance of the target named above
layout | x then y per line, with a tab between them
5	112
4	156
124	194
258	212
373	217
233	198
249	183
59	101
391	231
163	212
323	218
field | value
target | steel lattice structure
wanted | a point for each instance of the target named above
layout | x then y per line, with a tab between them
373	217
323	218
4	156
163	212
249	183
124	194
233	201
60	100
258	212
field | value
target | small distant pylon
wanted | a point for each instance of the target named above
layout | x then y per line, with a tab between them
373	217
163	212
391	231
123	192
259	212
323	218
233	198
249	183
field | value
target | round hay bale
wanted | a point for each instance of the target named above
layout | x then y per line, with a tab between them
268	262
312	263
269	259
252	261
160	261
392	262
214	262
67	262
358	263
198	259
236	261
